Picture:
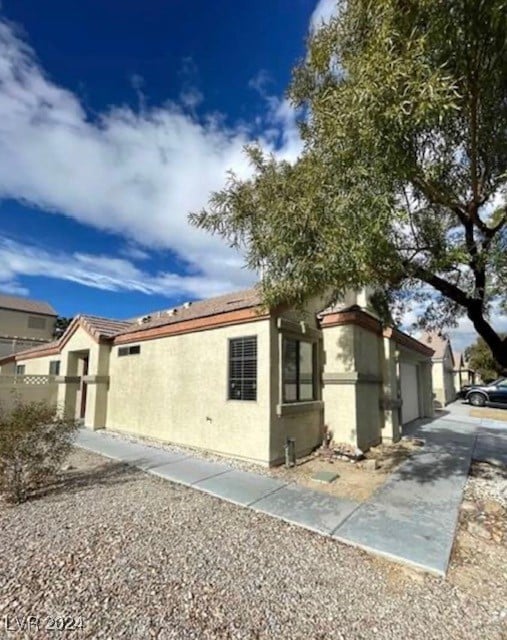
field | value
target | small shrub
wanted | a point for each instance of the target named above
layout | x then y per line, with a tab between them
34	442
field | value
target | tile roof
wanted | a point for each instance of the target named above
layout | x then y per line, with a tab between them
24	304
202	308
437	342
104	327
41	347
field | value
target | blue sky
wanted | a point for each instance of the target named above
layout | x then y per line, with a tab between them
117	119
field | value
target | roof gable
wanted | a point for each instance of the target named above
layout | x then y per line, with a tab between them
15	303
440	344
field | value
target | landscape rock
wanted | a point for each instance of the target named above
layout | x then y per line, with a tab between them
468	506
479	530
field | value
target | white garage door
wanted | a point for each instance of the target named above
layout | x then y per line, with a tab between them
409	392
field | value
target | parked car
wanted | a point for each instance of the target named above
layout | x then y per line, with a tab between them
488	394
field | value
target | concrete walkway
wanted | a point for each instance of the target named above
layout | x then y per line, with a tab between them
411	518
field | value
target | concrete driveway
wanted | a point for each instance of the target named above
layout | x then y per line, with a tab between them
411	519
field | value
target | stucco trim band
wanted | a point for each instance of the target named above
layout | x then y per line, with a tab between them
407	341
300	328
68	379
295	408
356	317
350	377
92	379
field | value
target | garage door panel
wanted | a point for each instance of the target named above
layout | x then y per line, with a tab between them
409	392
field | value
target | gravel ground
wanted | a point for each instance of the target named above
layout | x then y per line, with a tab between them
137	557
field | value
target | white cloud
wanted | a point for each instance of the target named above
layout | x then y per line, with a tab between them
464	334
260	81
461	336
191	97
323	12
137	174
101	272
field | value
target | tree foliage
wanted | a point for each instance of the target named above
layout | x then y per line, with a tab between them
480	359
61	325
402	179
34	441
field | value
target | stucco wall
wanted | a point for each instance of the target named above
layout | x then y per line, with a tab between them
353	384
175	390
11	345
37	366
301	421
444	388
10	393
15	323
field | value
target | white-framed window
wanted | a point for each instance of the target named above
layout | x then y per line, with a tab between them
242	383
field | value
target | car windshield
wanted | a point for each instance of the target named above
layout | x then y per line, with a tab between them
495	382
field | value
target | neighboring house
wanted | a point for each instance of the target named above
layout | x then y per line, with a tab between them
229	376
444	389
463	373
24	323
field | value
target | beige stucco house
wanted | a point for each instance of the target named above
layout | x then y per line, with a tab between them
463	372
444	388
24	323
229	376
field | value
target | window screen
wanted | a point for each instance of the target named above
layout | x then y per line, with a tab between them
243	368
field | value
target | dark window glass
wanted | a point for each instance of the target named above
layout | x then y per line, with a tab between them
54	368
129	351
298	370
243	368
20	369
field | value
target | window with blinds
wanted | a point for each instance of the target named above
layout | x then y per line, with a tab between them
243	368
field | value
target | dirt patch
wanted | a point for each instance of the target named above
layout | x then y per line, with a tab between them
480	550
356	480
491	414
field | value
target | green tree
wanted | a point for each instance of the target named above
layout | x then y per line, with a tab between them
61	324
480	359
404	121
